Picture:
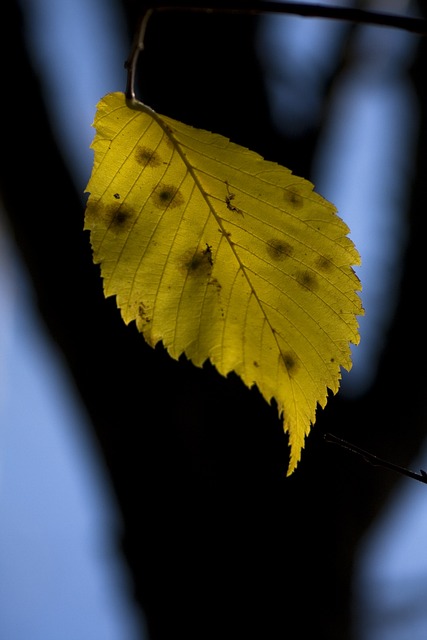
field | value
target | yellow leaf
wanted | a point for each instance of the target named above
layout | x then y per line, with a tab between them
222	255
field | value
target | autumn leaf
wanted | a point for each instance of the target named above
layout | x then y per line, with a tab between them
222	255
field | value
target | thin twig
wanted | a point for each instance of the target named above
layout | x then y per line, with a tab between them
255	7
374	460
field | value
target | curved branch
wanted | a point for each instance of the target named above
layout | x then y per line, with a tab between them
257	7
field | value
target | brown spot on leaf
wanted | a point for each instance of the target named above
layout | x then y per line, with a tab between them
307	279
324	264
293	198
229	200
116	217
142	316
166	195
290	361
279	249
197	262
142	311
208	252
93	212
121	218
169	131
147	157
215	283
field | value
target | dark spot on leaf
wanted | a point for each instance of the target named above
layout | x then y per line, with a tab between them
290	362
292	198
142	316
279	249
169	131
256	364
166	195
214	283
117	196
229	200
208	252
147	157
169	137
142	312
324	264
116	217
93	212
197	263
307	280
121	219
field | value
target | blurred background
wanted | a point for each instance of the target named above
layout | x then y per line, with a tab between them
141	497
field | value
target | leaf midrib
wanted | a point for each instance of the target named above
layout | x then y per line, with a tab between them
167	132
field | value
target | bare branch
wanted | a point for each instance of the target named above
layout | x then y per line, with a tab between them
374	460
255	7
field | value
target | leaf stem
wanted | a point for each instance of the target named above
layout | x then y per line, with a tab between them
374	460
132	61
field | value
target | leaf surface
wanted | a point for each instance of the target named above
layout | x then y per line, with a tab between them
222	255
